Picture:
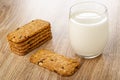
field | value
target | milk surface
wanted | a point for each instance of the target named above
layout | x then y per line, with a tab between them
88	33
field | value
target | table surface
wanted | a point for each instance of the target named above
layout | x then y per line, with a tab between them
15	13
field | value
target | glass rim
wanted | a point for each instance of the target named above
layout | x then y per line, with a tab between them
93	2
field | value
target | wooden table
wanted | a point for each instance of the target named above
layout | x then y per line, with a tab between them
15	13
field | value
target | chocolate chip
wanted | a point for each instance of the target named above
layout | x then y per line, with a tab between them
51	59
28	42
55	71
62	67
77	67
40	61
32	20
17	28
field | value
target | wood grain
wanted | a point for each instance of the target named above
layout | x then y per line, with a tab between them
14	13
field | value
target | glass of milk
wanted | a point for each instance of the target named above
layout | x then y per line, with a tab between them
88	28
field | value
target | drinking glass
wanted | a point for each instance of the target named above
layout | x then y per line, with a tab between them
88	28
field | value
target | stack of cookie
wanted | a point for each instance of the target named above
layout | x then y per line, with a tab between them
29	36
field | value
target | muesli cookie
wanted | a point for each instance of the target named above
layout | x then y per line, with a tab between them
41	34
28	30
23	52
33	42
55	62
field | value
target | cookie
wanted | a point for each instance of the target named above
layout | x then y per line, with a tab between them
43	33
31	44
22	53
55	62
25	32
37	43
29	36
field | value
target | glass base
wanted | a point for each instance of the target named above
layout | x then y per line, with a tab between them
90	57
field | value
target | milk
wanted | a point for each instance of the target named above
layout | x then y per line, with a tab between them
88	33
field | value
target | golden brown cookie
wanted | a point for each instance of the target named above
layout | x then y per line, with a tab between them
32	43
55	62
21	53
25	32
42	34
